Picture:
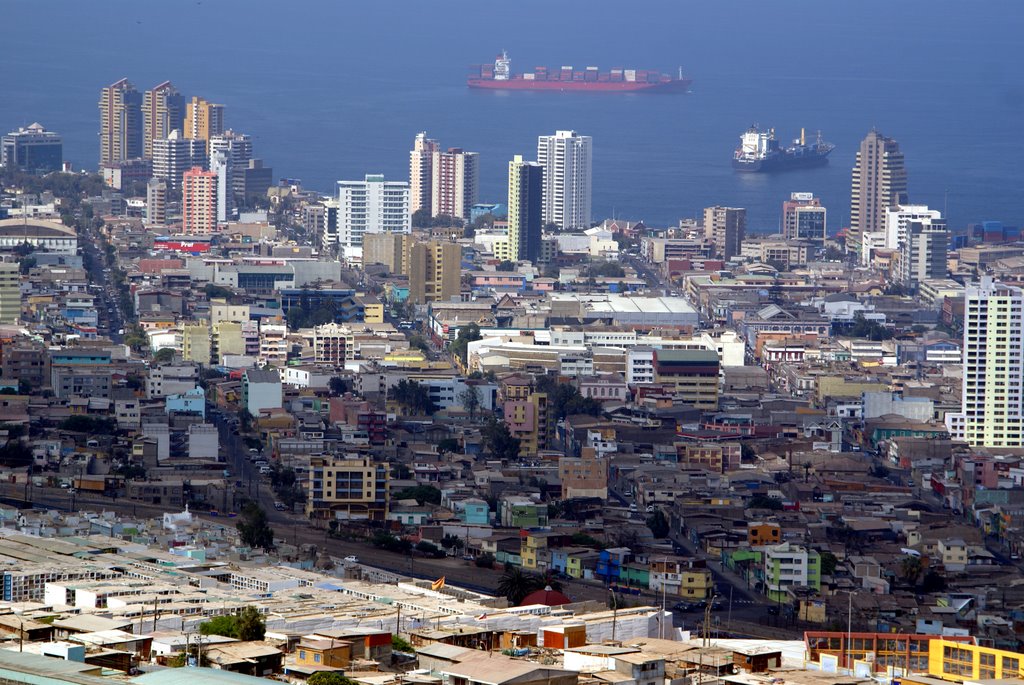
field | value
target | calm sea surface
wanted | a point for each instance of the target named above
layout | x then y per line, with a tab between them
334	89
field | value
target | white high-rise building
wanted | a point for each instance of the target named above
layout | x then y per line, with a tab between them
992	413
567	161
220	164
372	205
174	155
421	173
923	253
156	202
899	217
238	148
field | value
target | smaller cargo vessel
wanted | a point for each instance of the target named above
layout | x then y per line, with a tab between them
759	151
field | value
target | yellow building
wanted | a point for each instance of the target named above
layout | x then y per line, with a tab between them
696	583
525	219
435	271
531	548
203	120
692	374
961	662
354	487
326	653
373	310
389	249
227	339
195	343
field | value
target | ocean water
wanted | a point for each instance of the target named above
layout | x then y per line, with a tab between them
333	89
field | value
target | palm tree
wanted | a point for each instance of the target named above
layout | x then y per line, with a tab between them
911	569
515	584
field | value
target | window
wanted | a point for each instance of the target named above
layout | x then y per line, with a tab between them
316	658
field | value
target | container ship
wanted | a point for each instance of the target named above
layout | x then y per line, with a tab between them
759	151
499	76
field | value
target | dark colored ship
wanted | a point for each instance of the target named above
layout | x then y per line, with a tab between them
759	151
499	76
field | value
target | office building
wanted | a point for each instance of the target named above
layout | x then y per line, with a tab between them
993	367
237	147
174	155
122	175
567	163
256	180
220	164
156	202
525	209
199	202
454	181
435	273
879	182
163	110
691	375
899	217
32	149
10	292
120	122
803	218
372	205
203	121
725	227
421	162
922	253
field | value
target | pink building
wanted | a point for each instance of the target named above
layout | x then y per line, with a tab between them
199	202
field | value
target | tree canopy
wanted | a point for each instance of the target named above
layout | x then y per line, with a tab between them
466	335
253	527
413	396
499	441
248	625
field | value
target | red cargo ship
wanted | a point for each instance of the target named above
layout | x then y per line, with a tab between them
499	76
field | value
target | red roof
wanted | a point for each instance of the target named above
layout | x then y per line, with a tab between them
547	597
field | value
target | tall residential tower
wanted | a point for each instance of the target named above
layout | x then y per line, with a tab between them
455	175
421	174
726	227
992	413
163	110
199	202
120	123
879	182
203	120
525	209
566	159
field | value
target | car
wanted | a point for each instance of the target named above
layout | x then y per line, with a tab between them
253	450
264	470
279	506
351	559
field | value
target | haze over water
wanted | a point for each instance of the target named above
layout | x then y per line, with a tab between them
332	89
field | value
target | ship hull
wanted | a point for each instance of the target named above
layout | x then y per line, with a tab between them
673	86
781	163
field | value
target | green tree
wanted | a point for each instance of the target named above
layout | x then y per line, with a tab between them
429	549
466	335
911	569
329	678
421	218
506	265
164	355
658	524
15	454
217	291
413	396
485	560
253	527
471	400
606	269
828	563
448	446
400	644
515	584
338	386
565	399
424	494
499	441
764	502
251	626
452	542
220	625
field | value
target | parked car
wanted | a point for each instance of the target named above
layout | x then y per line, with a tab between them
279	506
351	559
